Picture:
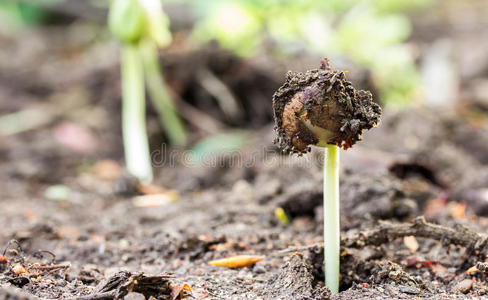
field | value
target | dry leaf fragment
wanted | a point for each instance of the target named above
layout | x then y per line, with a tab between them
18	269
152	200
411	243
459	211
154	196
441	272
237	261
464	286
151	189
178	289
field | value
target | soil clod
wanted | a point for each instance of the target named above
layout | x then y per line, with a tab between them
322	106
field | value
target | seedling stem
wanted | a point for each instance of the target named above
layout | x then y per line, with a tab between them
136	146
331	217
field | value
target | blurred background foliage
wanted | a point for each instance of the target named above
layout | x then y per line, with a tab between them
370	34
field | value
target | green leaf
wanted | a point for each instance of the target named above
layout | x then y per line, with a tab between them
157	22
127	20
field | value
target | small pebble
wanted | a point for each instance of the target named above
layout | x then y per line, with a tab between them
61	282
18	269
409	290
134	296
258	269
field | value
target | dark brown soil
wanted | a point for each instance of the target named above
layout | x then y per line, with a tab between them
418	162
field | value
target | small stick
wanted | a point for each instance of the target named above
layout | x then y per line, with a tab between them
48	268
8	245
386	232
100	296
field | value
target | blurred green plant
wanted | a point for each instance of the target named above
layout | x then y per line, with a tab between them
18	15
142	26
208	149
370	33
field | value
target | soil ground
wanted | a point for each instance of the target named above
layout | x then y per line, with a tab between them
419	162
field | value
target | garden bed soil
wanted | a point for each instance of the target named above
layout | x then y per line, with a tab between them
99	241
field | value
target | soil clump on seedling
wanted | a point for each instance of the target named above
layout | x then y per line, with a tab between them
322	99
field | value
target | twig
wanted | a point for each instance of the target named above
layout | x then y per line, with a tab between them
48	268
8	245
386	232
99	296
39	254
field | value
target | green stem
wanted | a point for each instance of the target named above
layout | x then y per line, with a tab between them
160	96
331	218
137	157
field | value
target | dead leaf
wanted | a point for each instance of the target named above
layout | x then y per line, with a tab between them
18	269
411	243
237	261
441	272
151	189
178	289
464	286
459	211
123	282
156	200
154	196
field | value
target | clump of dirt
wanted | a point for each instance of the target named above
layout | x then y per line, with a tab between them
296	280
321	105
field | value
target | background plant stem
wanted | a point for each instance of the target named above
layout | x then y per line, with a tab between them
160	96
331	218
136	146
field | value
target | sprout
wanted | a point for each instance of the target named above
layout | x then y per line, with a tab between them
322	108
141	26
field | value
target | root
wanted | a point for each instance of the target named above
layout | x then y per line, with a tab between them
387	232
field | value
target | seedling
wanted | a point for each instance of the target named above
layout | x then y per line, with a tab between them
141	26
322	108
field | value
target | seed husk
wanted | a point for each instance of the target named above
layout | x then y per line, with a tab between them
321	107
